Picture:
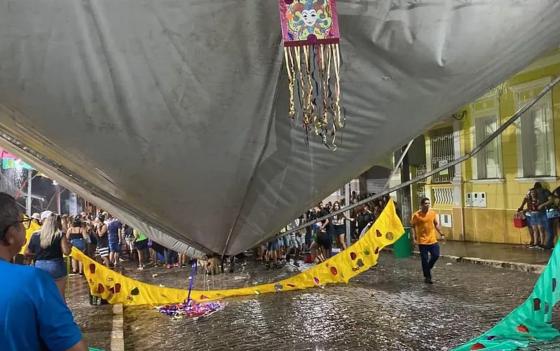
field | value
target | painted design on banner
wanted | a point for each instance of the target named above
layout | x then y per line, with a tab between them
358	258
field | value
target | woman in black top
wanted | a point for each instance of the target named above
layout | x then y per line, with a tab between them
364	218
48	246
339	226
102	240
77	235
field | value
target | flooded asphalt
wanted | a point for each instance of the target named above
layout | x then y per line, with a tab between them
386	308
96	322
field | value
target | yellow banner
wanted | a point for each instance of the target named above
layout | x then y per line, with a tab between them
33	227
362	255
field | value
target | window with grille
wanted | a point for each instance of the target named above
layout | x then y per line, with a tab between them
442	153
488	159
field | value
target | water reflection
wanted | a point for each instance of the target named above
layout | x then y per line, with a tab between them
387	308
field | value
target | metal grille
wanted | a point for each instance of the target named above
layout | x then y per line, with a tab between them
442	150
442	196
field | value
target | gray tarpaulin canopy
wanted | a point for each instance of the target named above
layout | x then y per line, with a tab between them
172	114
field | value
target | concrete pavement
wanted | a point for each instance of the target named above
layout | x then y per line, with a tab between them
517	257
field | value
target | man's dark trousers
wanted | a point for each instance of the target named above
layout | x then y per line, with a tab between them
429	255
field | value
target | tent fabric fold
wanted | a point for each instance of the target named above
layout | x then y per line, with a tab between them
174	114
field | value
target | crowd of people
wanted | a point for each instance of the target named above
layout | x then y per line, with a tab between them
34	314
541	210
315	242
100	236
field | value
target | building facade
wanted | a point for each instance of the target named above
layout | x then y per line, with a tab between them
478	198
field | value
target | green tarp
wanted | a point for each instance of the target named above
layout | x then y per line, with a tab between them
528	323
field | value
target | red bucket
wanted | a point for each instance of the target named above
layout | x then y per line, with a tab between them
519	222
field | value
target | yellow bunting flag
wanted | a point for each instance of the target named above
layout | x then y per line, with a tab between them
362	255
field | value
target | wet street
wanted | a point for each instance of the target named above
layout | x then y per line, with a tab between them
386	308
95	321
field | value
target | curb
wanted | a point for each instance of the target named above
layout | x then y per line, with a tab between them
117	331
516	266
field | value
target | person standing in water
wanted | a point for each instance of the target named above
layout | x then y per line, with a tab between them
424	227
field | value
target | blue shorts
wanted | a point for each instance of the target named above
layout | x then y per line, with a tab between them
114	247
79	244
530	220
537	218
56	268
272	245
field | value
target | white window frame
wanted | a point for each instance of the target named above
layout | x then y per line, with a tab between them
545	101
486	113
498	141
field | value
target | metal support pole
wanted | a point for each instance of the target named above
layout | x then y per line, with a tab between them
347	213
28	200
398	165
405	198
58	199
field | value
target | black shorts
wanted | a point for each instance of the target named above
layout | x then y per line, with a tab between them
324	240
141	245
339	229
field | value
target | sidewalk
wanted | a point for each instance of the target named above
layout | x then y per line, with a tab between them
97	323
515	257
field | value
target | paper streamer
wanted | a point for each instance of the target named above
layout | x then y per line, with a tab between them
358	258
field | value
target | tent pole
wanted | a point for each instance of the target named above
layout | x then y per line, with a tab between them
28	200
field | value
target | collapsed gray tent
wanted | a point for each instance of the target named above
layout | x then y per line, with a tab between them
172	114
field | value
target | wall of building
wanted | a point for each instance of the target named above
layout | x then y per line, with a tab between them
504	194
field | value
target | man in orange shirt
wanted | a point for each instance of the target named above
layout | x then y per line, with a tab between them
424	227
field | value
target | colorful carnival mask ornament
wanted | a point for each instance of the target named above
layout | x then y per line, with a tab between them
311	36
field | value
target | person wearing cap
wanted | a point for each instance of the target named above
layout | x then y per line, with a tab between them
44	215
36	218
32	228
33	315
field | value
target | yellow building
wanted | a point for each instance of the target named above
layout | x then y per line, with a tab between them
478	198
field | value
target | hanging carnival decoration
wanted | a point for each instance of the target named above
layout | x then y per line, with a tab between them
190	308
312	57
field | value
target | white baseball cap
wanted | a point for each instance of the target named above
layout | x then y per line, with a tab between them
45	215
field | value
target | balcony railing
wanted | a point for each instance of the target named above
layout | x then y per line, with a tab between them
442	196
